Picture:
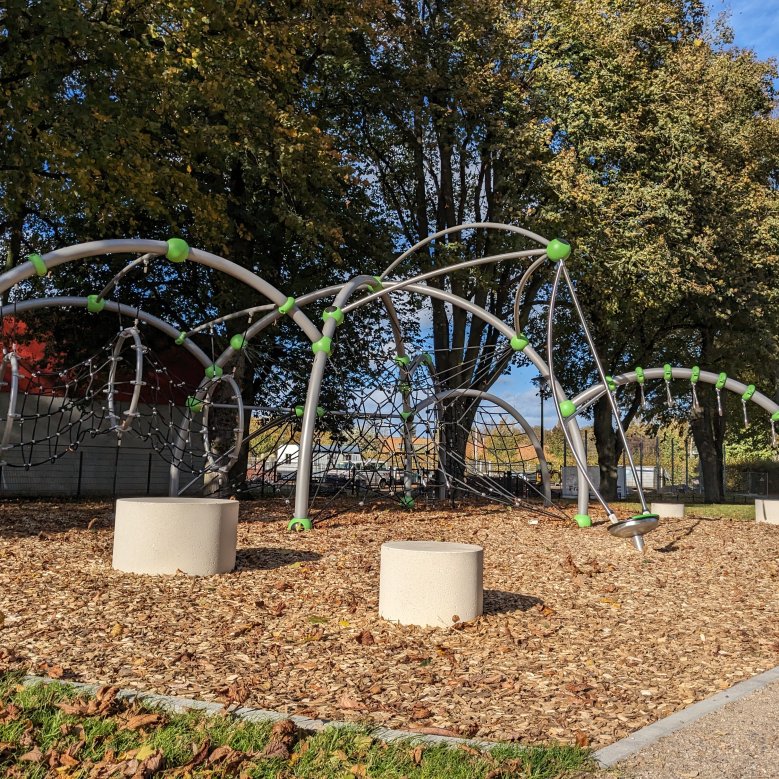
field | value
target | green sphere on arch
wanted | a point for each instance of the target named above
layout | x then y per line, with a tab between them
567	408
238	341
178	250
558	250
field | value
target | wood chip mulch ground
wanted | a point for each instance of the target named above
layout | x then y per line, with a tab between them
583	639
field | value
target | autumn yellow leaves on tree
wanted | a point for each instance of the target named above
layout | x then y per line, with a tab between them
311	140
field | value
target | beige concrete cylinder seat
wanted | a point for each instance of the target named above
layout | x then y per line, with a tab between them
430	583
668	510
767	510
197	536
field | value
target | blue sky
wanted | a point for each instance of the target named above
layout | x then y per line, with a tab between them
756	26
755	23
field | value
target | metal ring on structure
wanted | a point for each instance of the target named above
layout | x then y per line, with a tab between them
11	416
122	426
233	453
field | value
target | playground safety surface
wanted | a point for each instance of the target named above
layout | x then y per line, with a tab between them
583	640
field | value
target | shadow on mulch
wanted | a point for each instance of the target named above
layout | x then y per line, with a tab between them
671	545
267	558
28	517
500	602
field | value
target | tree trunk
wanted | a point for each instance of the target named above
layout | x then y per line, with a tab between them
609	448
708	431
457	421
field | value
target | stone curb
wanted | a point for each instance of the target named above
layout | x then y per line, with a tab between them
180	705
615	753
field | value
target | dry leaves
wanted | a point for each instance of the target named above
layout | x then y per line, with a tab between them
577	628
282	740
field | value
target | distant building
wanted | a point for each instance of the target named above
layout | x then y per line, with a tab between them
325	458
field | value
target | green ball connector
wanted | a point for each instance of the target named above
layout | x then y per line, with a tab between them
238	341
667	372
299	524
194	405
324	344
640	374
695	375
182	336
37	262
611	384
721	379
287	305
377	287
558	250
178	250
407	501
401	359
750	390
300	410
335	313
214	371
95	304
567	408
775	416
519	342
406	415
583	520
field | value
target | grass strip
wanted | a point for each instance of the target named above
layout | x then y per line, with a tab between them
56	730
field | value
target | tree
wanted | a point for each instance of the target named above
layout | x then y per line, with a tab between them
159	119
664	159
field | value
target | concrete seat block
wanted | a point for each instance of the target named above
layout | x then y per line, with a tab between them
197	536
668	510
767	510
428	583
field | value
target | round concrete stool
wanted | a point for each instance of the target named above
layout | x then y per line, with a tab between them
668	510
767	510
428	583
197	536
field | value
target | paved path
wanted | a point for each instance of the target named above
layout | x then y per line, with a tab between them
737	740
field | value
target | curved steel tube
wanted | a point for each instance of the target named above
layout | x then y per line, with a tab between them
459	228
110	305
591	394
13	394
132	412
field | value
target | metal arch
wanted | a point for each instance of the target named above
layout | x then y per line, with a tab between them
305	450
67	254
592	394
110	305
441	397
122	426
572	429
459	228
11	416
398	286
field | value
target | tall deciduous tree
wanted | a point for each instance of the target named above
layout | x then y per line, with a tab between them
664	164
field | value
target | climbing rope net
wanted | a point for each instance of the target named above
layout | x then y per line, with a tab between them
125	391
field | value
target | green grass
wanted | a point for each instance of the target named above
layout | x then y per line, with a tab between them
742	511
30	718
